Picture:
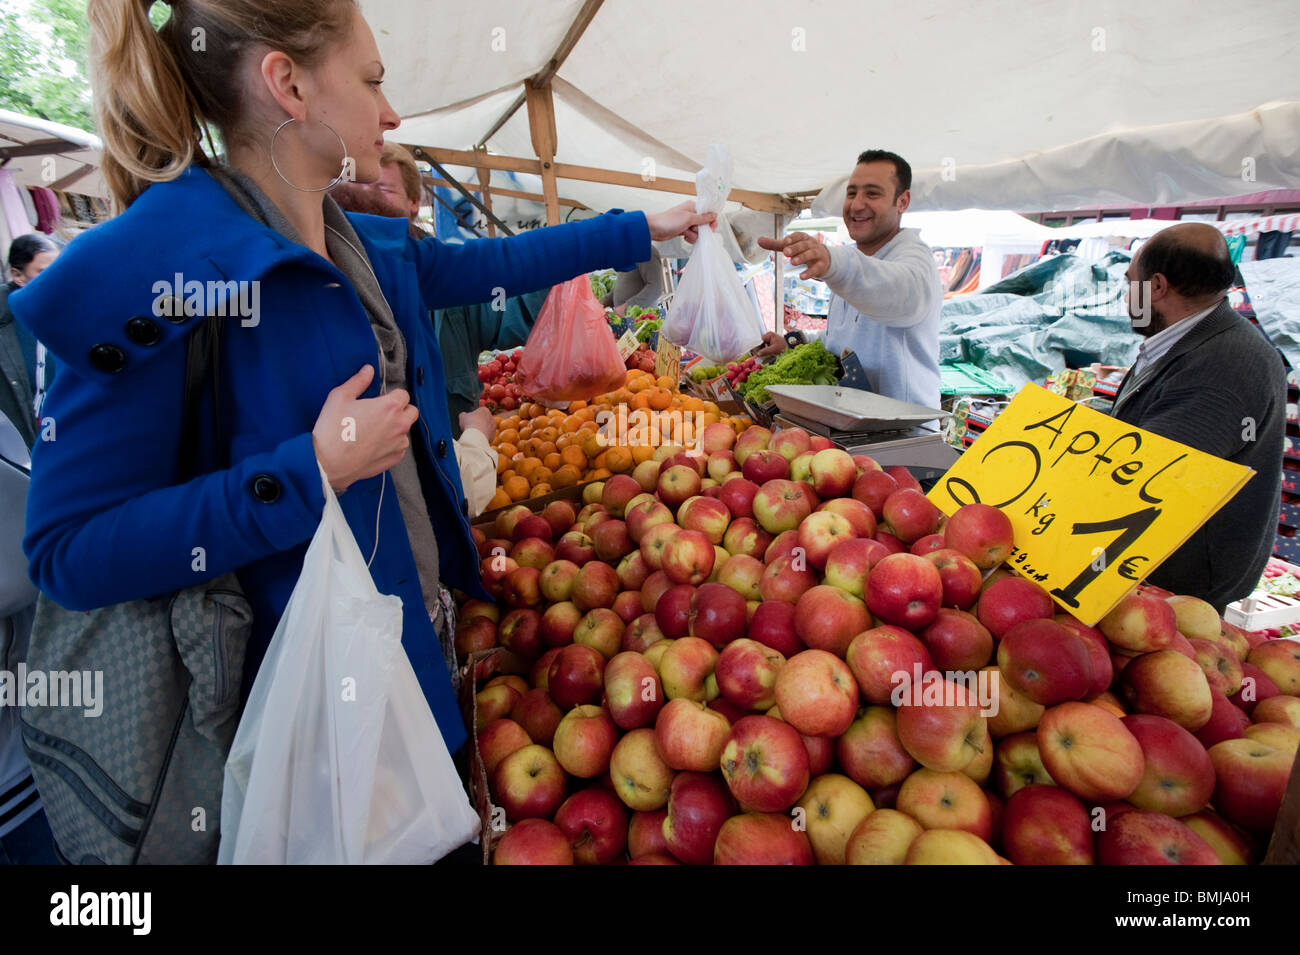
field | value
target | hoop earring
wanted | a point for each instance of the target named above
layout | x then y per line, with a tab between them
333	182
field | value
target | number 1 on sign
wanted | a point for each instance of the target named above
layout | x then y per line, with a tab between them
1133	525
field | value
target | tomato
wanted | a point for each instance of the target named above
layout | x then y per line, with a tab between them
517	356
508	402
497	392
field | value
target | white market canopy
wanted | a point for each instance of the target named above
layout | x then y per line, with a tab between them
1031	104
40	153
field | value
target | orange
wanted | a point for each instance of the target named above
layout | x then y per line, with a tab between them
540	476
504	476
642	453
619	460
576	406
541	490
660	399
566	476
574	456
666	383
641	401
599	460
592	447
499	499
527	466
508	436
552	460
601	474
516	488
546	448
503	465
636	385
507	450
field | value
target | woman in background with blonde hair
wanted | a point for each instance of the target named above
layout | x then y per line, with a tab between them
327	357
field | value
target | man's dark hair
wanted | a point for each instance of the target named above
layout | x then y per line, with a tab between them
27	247
1191	270
902	171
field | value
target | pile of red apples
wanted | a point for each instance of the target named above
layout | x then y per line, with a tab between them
773	652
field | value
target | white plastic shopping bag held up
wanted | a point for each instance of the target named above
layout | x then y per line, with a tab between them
338	758
711	313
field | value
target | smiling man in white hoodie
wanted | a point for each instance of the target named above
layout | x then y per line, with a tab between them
887	293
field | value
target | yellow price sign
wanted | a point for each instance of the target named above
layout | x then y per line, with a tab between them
668	361
1096	504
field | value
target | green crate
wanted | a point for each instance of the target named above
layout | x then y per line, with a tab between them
963	378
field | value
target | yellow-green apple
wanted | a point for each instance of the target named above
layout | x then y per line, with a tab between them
510	679
498	740
685	666
698	805
493	702
869	750
910	515
576	677
780	506
1251	778
591	492
820	532
789	442
592	507
646	474
1166	683
602	629
640	501
533	842
673	610
833	807
1151	838
833	472
645	833
595	586
707	515
1280	659
655	653
1233	846
981	767
738	494
720	556
1045	825
801	467
940	724
761	838
666	451
878	656
817	693
521	587
981	532
595	823
746	672
1239	641
1018	763
873	488
717	614
1010	600
827	618
641	777
1140	622
538	715
1013	712
743	574
558	624
641	633
1281	736
529	783
773	625
1090	752
881	838
765	764
946	801
905	590
1195	618
1226	721
960	577
690	735
720	464
850	562
678	484
1278	709
1256	686
633	692
766	465
689	557
558	579
654	544
532	552
956	640
646	515
1047	662
786	579
1221	666
1178	778
617	492
950	847
754	438
745	537
856	513
584	740
632	572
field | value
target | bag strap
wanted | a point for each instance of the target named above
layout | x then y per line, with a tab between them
202	365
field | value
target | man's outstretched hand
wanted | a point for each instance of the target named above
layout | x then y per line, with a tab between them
801	249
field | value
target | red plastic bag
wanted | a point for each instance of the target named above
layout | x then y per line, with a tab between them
570	354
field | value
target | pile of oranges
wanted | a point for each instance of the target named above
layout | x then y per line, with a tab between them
541	449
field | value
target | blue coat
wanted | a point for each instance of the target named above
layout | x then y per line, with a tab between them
108	522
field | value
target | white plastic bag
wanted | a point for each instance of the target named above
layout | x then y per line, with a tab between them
711	313
338	758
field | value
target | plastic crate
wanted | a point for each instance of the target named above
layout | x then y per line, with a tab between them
963	378
1261	611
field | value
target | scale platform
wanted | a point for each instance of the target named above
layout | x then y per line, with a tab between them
915	446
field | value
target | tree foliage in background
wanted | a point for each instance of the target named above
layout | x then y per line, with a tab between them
43	47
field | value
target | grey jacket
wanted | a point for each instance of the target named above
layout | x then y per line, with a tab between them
1220	389
15	385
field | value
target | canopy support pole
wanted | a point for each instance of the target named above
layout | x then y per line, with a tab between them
541	124
778	277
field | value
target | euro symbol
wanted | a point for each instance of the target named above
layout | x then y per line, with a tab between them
1128	569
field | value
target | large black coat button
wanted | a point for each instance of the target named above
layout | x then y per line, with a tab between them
176	313
107	358
143	331
419	375
266	489
442	449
